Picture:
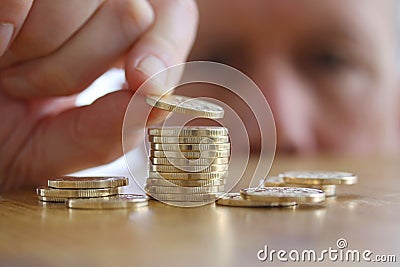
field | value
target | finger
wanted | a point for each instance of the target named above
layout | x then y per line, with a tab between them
12	16
84	137
49	24
111	31
167	43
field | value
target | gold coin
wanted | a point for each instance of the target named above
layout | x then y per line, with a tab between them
189	162
183	190
186	105
190	169
189	139
236	200
76	193
283	194
75	182
122	201
185	198
52	199
187	131
319	177
185	183
191	147
277	181
188	175
190	154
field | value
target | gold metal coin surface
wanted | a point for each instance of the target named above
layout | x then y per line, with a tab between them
52	199
183	190
189	162
188	131
184	183
75	182
236	200
191	147
186	105
190	169
283	194
190	154
185	198
76	193
319	177
189	139
188	176
122	201
277	181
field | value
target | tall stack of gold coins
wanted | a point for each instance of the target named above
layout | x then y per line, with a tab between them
187	165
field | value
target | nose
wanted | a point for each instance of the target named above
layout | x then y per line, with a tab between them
291	102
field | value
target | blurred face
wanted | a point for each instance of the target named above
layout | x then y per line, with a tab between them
327	68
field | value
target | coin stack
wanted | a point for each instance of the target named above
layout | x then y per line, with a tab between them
187	165
323	180
68	187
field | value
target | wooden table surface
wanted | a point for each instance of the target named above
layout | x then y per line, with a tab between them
367	215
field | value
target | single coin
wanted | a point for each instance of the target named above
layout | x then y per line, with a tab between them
189	162
186	105
184	183
75	182
277	181
236	200
191	147
190	169
122	201
189	139
188	175
52	199
319	177
188	131
183	190
283	194
182	197
190	154
76	193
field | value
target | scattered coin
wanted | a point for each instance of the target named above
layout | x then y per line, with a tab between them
76	193
74	182
319	177
283	194
236	200
122	201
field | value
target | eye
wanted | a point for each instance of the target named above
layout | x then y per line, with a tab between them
328	61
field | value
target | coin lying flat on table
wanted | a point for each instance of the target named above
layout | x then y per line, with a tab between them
189	162
122	201
189	169
319	177
74	182
236	200
188	176
189	131
184	183
186	105
76	193
283	194
52	199
190	154
189	139
191	147
277	181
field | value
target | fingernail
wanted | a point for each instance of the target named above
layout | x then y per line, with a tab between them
151	65
6	32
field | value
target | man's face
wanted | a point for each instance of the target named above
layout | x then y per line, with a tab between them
327	68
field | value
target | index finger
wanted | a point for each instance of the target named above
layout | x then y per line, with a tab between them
167	43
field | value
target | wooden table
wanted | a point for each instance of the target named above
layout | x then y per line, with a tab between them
367	215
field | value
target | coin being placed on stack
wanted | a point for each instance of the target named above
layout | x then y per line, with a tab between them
323	180
188	166
63	188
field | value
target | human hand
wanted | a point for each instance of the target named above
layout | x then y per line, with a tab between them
55	50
